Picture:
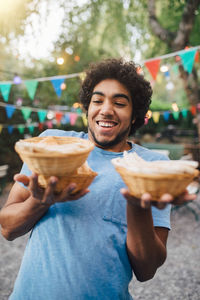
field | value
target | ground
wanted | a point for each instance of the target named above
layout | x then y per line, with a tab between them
177	279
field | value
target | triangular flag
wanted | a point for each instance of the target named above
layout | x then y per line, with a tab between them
187	58
175	115
31	86
197	57
146	120
58	116
193	110
42	115
9	111
82	76
166	115
65	119
21	129
73	118
156	116
26	111
57	85
31	129
153	67
175	69
85	121
10	129
5	90
49	124
198	107
40	126
184	113
1	127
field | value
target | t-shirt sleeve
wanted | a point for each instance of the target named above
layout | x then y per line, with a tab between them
161	217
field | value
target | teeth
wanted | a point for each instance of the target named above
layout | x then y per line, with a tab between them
106	124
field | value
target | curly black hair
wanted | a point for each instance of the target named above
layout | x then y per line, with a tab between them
127	74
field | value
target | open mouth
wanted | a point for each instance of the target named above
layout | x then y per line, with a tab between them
106	124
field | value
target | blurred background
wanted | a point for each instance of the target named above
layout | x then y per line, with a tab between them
45	46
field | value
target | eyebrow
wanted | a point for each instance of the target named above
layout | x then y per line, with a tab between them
115	95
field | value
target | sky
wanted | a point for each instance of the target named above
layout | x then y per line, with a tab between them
38	38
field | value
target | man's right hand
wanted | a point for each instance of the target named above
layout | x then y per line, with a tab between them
48	196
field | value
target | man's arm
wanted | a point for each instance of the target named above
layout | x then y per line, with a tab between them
146	245
25	207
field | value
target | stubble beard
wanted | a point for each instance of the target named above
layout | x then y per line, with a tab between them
107	144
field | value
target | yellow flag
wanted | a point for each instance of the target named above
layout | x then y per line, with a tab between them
85	121
1	127
156	116
82	76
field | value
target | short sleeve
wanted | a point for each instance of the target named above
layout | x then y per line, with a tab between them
161	217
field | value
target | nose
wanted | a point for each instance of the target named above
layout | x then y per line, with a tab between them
107	108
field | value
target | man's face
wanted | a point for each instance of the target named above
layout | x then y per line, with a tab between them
109	115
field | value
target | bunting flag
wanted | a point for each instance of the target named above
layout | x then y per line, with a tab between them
166	115
85	121
40	126
197	57
57	85
31	86
10	110
82	76
175	115
66	118
73	118
153	67
184	113
42	115
187	59
5	90
193	110
49	124
58	116
21	129
198	107
1	127
10	129
26	112
31	129
156	116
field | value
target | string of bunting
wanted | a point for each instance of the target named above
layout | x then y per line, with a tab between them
187	56
194	109
57	117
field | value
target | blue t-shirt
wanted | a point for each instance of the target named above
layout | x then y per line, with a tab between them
77	250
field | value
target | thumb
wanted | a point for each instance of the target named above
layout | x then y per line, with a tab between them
22	178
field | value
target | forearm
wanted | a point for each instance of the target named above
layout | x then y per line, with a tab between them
18	218
145	250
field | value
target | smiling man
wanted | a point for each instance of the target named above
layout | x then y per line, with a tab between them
88	245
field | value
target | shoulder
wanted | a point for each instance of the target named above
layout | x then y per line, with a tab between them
147	154
58	132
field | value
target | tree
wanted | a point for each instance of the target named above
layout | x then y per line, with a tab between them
183	36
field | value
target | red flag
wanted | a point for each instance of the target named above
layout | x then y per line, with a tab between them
153	67
197	57
58	116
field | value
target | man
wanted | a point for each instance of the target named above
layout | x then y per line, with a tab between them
85	246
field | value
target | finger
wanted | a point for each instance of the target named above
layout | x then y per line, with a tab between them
166	198
49	193
184	199
22	178
159	204
146	200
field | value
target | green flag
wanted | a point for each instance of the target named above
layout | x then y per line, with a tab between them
21	129
26	111
187	59
5	90
31	86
